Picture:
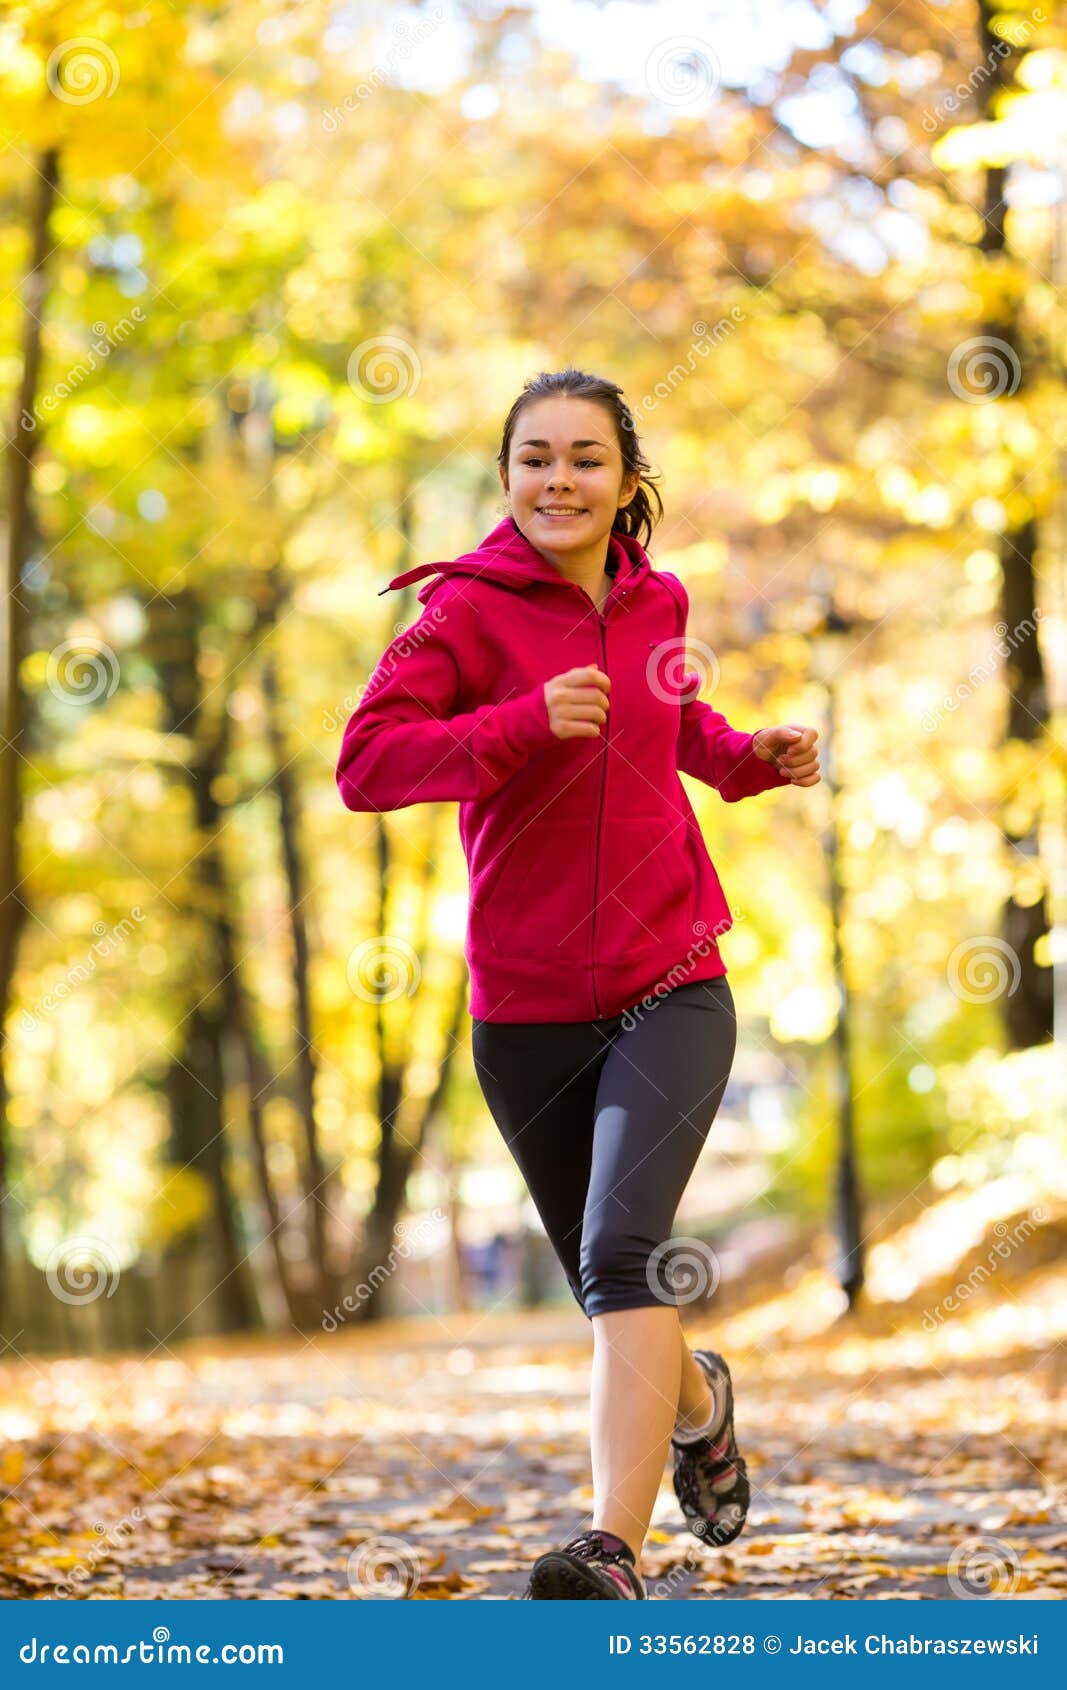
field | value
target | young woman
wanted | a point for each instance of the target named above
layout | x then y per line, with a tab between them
542	686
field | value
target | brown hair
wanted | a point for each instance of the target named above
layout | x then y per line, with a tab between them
636	518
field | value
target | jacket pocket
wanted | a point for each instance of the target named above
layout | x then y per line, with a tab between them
535	900
647	887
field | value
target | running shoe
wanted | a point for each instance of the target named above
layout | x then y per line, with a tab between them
710	1476
587	1569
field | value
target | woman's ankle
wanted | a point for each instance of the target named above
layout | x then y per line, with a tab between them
700	1419
629	1539
697	1395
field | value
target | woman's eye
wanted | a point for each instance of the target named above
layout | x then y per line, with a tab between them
583	463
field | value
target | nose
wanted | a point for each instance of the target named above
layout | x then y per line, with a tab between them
560	477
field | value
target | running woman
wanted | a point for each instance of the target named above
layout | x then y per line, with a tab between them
543	687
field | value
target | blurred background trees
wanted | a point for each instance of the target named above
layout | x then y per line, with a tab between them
273	275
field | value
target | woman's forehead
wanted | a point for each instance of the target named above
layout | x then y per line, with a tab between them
559	421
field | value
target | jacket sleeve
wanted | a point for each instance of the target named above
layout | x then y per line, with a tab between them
402	744
722	756
711	750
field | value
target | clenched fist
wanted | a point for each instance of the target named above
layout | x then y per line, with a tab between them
790	749
577	702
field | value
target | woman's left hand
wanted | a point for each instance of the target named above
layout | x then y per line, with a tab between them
792	750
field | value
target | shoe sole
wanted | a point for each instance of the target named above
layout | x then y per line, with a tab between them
699	1525
557	1578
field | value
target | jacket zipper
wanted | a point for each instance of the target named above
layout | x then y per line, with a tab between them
600	813
599	822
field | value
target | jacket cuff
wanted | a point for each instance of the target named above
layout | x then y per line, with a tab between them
754	774
523	721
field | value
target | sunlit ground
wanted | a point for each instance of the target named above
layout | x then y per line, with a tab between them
915	1449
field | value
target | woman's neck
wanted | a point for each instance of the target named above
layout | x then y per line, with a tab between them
588	570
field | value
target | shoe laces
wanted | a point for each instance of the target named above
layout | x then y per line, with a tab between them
707	1464
688	1485
590	1546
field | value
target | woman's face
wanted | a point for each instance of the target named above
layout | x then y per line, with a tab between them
565	474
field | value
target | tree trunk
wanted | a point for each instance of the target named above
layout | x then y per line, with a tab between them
195	1088
257	1078
397	1158
460	1299
317	1180
1028	1009
196	1084
21	448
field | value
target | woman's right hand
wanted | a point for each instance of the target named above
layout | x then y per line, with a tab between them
577	702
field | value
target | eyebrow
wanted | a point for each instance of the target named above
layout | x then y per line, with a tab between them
574	443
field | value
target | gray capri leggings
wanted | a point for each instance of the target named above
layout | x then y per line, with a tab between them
605	1120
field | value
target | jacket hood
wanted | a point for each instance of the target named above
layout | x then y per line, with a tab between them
507	557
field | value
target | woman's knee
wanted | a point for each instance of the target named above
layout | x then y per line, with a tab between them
618	1271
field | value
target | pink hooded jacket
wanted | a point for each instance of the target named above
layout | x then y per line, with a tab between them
590	883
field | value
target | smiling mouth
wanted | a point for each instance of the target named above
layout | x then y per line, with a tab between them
560	510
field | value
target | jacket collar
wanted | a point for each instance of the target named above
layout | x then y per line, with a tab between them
507	557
